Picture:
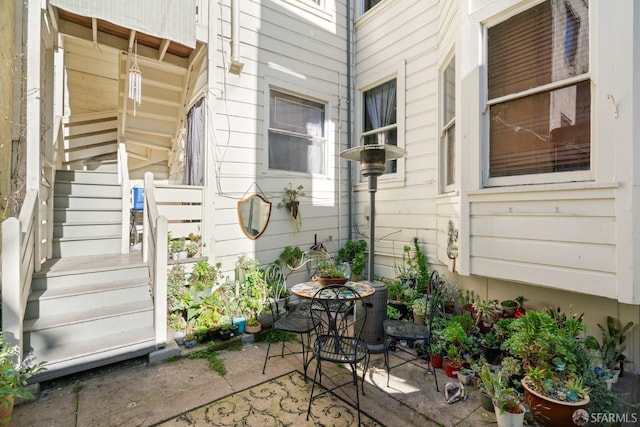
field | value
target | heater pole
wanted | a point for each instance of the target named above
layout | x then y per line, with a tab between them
373	187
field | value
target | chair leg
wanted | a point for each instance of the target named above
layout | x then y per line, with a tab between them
264	367
313	387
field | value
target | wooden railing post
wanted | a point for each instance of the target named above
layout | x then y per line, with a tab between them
11	321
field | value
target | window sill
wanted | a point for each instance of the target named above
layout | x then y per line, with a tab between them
582	185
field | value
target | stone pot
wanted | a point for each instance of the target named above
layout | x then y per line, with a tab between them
509	419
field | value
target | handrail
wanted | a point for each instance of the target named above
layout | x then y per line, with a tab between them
19	238
154	253
123	180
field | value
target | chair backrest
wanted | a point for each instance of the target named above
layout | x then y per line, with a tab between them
275	279
435	306
338	310
310	260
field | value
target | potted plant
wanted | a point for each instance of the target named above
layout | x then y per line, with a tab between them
612	346
253	326
456	339
419	307
485	311
465	375
490	347
353	252
291	202
14	376
509	306
506	400
549	348
330	274
395	296
177	248
291	256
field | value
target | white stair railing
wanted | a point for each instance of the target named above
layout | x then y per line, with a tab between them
19	238
123	180
154	253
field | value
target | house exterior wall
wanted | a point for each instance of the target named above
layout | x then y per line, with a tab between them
559	244
294	47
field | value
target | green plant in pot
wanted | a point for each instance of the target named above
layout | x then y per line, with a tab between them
613	343
549	348
353	252
506	400
291	257
456	340
330	274
14	376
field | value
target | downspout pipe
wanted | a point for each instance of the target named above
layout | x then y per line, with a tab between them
349	125
236	66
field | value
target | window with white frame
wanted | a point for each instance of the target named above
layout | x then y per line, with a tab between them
539	94
448	130
368	4
380	125
296	134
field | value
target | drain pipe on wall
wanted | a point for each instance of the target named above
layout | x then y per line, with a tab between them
236	66
349	125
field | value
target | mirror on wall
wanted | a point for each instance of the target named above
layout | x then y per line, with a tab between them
253	214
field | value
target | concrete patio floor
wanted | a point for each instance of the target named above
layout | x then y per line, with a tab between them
135	393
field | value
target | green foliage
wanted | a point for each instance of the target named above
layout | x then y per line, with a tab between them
495	385
394	290
291	256
204	275
14	376
329	269
613	342
211	355
393	313
353	252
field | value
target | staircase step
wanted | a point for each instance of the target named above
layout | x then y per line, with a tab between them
86	229
93	245
97	351
86	202
61	215
84	270
55	301
87	177
102	165
79	189
77	326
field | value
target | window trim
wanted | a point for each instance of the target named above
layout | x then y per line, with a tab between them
541	178
443	187
329	149
386	179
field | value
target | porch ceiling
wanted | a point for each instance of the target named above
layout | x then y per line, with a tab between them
95	30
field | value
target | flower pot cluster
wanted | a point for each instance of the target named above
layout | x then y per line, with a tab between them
181	248
523	360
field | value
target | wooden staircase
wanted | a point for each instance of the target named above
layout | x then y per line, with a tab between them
90	305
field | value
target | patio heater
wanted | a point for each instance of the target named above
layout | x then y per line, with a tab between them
372	160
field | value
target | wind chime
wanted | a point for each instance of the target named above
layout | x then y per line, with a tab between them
135	80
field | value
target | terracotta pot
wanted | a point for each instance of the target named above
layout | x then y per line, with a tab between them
418	318
253	329
550	412
451	368
6	411
325	281
436	361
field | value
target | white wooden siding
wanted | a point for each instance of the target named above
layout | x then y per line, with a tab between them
564	239
296	50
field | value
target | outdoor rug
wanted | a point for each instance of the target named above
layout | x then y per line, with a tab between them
282	401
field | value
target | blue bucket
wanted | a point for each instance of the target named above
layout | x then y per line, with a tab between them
138	198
